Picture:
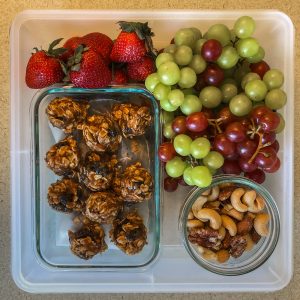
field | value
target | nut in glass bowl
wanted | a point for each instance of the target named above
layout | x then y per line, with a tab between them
231	227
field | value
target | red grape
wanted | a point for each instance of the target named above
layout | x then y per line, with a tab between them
266	157
258	112
179	125
235	132
166	151
196	122
260	68
245	122
226	115
275	146
274	168
195	135
211	50
170	184
213	75
223	145
267	137
269	121
233	156
231	167
200	83
208	112
246	148
247	166
258	176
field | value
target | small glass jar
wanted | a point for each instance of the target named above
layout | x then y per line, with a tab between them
249	260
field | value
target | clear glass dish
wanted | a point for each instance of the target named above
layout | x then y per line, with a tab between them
249	260
51	241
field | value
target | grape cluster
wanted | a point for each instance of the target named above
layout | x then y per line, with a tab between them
219	101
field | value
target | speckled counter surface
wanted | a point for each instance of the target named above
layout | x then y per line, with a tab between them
9	9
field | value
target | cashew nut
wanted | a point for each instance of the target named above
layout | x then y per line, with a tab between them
207	253
250	243
194	223
212	204
233	213
222	233
190	215
228	207
214	193
261	224
206	192
223	255
254	202
208	214
236	202
198	204
229	224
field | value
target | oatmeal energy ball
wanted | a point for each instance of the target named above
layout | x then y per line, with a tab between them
97	171
88	240
129	233
103	207
132	119
134	184
66	195
100	134
63	158
67	114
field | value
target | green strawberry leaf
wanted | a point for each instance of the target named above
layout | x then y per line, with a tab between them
75	67
64	67
54	43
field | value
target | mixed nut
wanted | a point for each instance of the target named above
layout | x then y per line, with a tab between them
227	220
94	185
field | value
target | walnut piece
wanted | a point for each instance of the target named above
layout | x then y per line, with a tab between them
66	195
238	245
63	158
226	192
97	171
87	241
135	184
245	226
129	233
67	114
103	207
100	134
132	119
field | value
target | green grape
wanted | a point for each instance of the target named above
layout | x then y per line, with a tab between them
175	167
273	79
281	125
188	78
230	81
183	55
182	143
198	46
249	77
162	58
228	73
232	35
200	147
151	81
187	176
189	91
185	36
229	58
240	105
247	47
259	56
170	49
219	32
161	91
210	96
256	90
168	132
166	105
176	97
197	33
213	160
260	103
190	105
201	176
276	99
168	73
212	171
228	90
167	116
240	72
198	64
244	27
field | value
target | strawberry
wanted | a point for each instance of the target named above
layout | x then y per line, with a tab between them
132	43
119	77
139	70
88	69
100	43
44	68
71	44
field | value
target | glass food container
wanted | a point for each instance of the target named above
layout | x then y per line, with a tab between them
249	260
51	227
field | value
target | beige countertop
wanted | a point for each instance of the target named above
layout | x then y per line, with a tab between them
9	9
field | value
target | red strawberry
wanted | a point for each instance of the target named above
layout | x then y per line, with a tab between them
139	70
89	71
119	77
43	67
71	44
100	43
132	43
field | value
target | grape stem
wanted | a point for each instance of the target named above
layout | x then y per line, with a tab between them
216	124
259	146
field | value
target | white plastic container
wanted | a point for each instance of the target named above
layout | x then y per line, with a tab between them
174	271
